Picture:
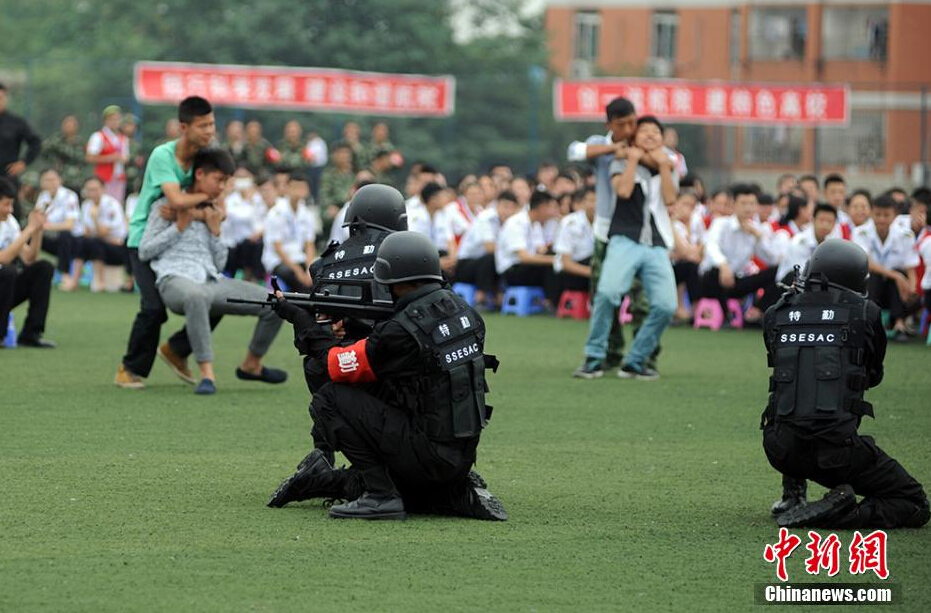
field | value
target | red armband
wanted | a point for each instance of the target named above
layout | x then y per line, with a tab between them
350	364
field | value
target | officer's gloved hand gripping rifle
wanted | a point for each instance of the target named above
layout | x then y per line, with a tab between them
326	307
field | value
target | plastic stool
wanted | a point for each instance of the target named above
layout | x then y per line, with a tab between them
9	341
523	300
573	304
625	317
708	314
466	291
735	308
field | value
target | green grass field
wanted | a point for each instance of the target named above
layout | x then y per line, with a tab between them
622	495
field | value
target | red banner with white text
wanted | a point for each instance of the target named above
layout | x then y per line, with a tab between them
713	102
305	89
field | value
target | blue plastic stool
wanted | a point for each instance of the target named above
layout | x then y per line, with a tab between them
9	341
87	274
523	300
466	291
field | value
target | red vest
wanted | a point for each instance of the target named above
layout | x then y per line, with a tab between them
105	171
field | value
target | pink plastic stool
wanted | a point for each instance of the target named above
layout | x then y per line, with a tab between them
708	314
625	316
573	304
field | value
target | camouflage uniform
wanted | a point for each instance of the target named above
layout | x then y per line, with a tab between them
292	156
67	157
135	167
254	156
334	191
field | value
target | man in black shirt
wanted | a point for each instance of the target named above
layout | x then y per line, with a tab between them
14	132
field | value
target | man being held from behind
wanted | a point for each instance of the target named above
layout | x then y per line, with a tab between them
640	237
23	276
187	256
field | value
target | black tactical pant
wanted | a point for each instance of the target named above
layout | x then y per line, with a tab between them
385	447
891	497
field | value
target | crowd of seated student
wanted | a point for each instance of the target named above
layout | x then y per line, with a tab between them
749	248
498	228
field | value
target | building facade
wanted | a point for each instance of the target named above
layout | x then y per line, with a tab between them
880	49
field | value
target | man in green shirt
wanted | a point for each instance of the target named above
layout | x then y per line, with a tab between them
64	151
167	173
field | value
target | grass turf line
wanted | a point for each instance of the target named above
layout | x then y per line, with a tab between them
623	495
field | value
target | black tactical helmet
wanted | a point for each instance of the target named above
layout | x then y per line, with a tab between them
379	206
841	262
407	256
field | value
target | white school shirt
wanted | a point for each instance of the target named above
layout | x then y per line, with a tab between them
726	242
110	216
574	238
293	229
316	151
418	218
484	229
924	250
440	229
337	232
798	252
517	234
458	222
244	217
9	230
896	252
62	207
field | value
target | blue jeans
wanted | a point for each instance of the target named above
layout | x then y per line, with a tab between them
624	260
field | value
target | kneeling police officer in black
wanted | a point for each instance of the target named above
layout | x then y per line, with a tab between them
826	346
405	405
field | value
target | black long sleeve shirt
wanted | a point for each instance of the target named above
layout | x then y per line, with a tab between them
14	133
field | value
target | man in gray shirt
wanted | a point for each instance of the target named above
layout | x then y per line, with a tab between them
187	257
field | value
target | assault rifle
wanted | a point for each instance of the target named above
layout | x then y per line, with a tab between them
337	306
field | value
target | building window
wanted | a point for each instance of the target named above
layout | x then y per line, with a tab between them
862	143
587	32
778	33
665	27
779	145
858	33
735	37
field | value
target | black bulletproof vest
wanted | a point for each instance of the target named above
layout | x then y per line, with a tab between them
352	259
818	355
450	389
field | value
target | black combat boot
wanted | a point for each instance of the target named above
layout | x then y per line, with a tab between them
794	492
823	513
471	498
316	478
380	500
